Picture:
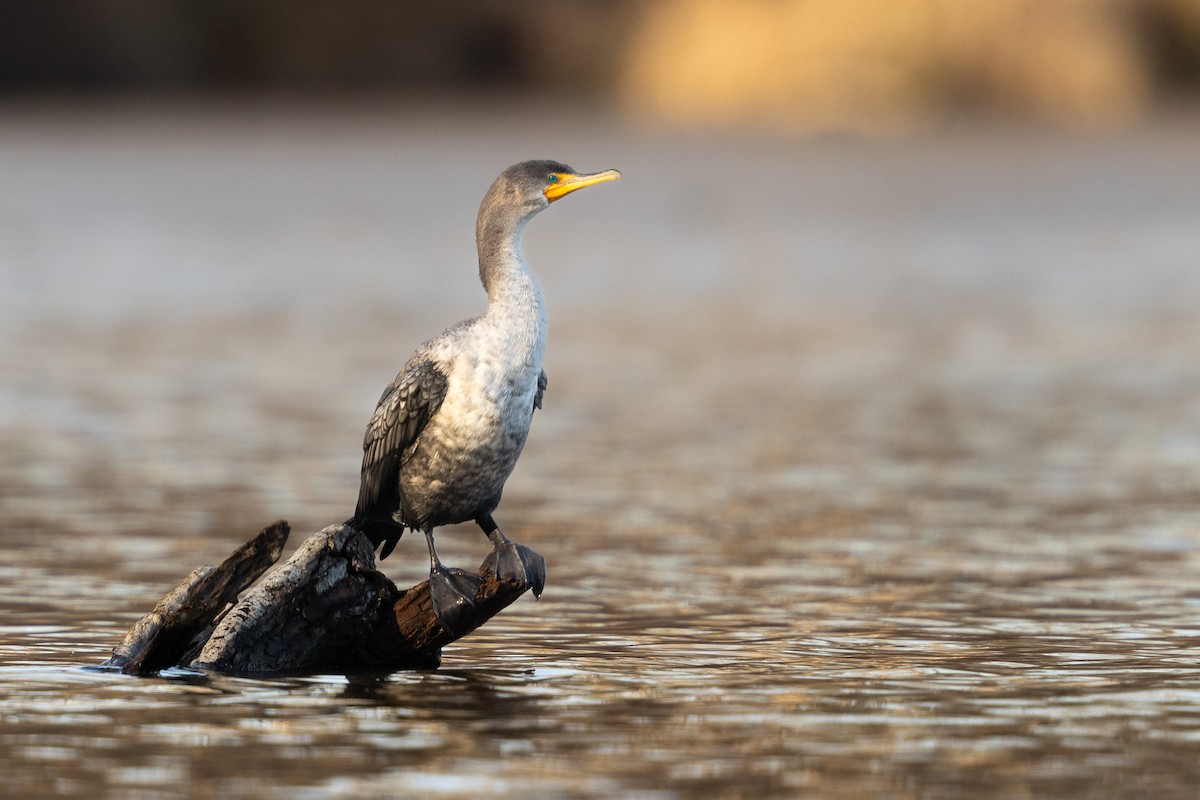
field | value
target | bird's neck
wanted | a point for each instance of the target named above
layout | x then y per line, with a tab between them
513	292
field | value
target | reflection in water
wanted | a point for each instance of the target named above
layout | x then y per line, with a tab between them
909	518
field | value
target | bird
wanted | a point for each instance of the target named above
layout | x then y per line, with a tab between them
448	430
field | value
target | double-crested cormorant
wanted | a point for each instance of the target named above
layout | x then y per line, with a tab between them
448	430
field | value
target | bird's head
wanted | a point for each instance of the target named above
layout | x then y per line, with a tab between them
533	185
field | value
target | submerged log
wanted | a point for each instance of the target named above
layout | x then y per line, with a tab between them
326	609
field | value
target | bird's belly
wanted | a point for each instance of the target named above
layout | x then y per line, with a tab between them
458	468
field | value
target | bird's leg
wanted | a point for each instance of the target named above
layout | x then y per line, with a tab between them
510	561
452	590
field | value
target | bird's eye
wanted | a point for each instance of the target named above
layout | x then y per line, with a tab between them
552	179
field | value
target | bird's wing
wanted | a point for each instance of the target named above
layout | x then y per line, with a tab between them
405	407
543	382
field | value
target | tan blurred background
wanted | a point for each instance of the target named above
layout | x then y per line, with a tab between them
784	65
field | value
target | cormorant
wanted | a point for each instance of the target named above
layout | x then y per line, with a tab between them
447	431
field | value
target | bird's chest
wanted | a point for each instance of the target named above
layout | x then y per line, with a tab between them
487	406
490	396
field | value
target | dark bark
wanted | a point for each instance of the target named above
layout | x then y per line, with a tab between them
160	639
326	609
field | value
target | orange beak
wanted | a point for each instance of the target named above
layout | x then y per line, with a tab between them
569	182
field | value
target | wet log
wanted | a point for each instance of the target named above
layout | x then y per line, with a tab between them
326	609
161	638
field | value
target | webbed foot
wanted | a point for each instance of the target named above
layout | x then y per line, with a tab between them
510	561
453	592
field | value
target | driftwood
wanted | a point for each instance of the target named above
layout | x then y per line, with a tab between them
325	609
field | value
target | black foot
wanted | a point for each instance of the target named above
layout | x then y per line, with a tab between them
453	593
510	561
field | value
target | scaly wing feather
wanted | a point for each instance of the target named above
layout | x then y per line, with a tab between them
543	382
403	411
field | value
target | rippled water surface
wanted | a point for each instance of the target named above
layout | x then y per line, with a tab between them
866	469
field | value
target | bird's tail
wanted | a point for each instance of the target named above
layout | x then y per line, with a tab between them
378	532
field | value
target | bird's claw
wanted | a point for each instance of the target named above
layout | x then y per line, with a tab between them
510	561
452	592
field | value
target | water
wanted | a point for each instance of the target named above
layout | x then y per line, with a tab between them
866	469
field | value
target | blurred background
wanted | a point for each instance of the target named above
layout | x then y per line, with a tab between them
792	65
870	460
